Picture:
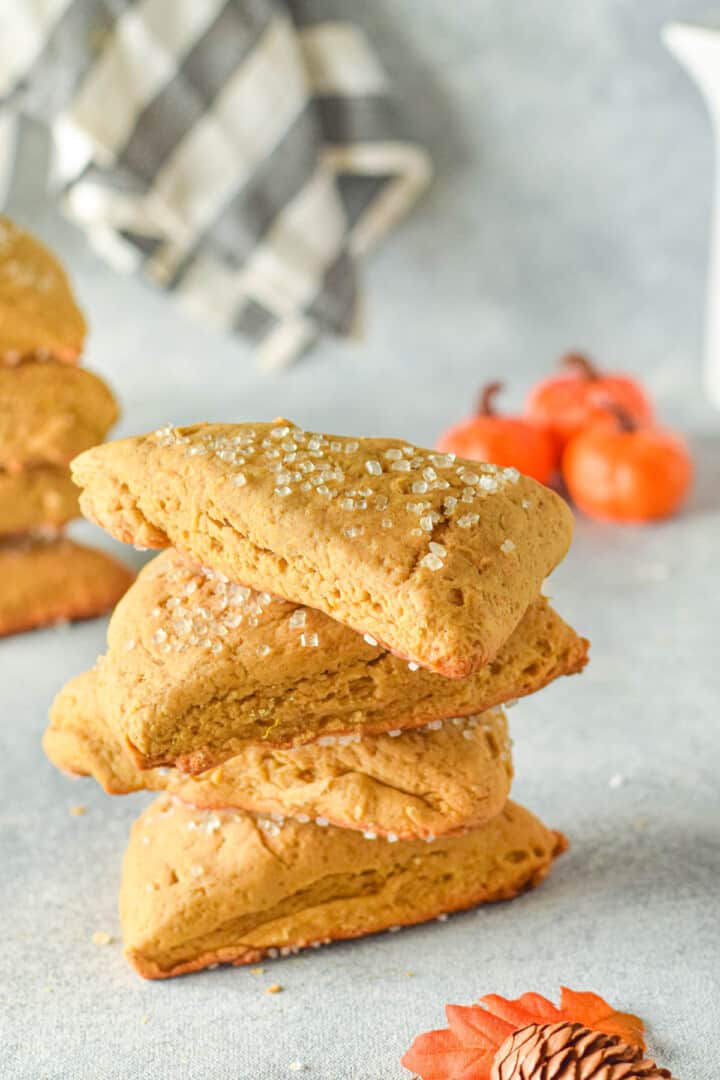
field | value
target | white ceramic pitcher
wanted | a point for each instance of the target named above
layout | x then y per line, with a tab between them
698	50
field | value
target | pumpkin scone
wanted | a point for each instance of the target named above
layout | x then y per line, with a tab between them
39	498
450	777
45	582
50	412
197	666
39	316
207	887
435	557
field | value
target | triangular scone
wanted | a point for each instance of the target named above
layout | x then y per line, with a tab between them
35	499
38	313
437	558
50	412
201	888
409	786
197	666
45	582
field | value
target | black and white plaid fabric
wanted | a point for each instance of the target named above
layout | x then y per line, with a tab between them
243	154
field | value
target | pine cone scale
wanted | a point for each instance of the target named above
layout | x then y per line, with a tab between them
566	1051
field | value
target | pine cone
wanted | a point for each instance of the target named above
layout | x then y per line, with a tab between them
571	1052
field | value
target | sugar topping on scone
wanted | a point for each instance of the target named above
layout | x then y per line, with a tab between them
201	608
327	467
434	557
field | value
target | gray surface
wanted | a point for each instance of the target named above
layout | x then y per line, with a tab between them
570	209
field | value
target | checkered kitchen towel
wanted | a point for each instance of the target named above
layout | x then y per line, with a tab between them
242	153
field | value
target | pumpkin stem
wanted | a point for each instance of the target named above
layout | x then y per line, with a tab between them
582	365
486	406
625	420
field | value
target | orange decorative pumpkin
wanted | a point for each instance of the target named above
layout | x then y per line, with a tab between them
617	471
573	400
503	440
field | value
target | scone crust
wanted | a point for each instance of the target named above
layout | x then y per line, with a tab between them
181	702
50	412
435	558
201	888
39	316
45	582
36	499
409	785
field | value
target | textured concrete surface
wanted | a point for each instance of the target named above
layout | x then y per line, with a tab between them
570	209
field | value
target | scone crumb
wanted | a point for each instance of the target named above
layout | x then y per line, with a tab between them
257	971
296	1066
274	988
78	811
100	937
144	1019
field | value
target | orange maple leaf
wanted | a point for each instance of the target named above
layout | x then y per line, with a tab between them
465	1050
590	1009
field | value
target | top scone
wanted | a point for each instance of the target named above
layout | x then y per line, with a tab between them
38	314
435	557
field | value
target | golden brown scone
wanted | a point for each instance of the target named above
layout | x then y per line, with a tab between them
436	558
38	313
50	412
45	582
201	888
198	666
453	776
35	499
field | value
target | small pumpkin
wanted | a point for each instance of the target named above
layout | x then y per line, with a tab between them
619	471
503	440
581	394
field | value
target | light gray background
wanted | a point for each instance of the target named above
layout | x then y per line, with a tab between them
570	209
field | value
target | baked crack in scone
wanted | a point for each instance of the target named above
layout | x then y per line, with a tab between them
435	557
197	666
45	582
39	498
449	777
201	888
38	313
50	412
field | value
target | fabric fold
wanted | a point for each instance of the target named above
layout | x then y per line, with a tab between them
244	155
